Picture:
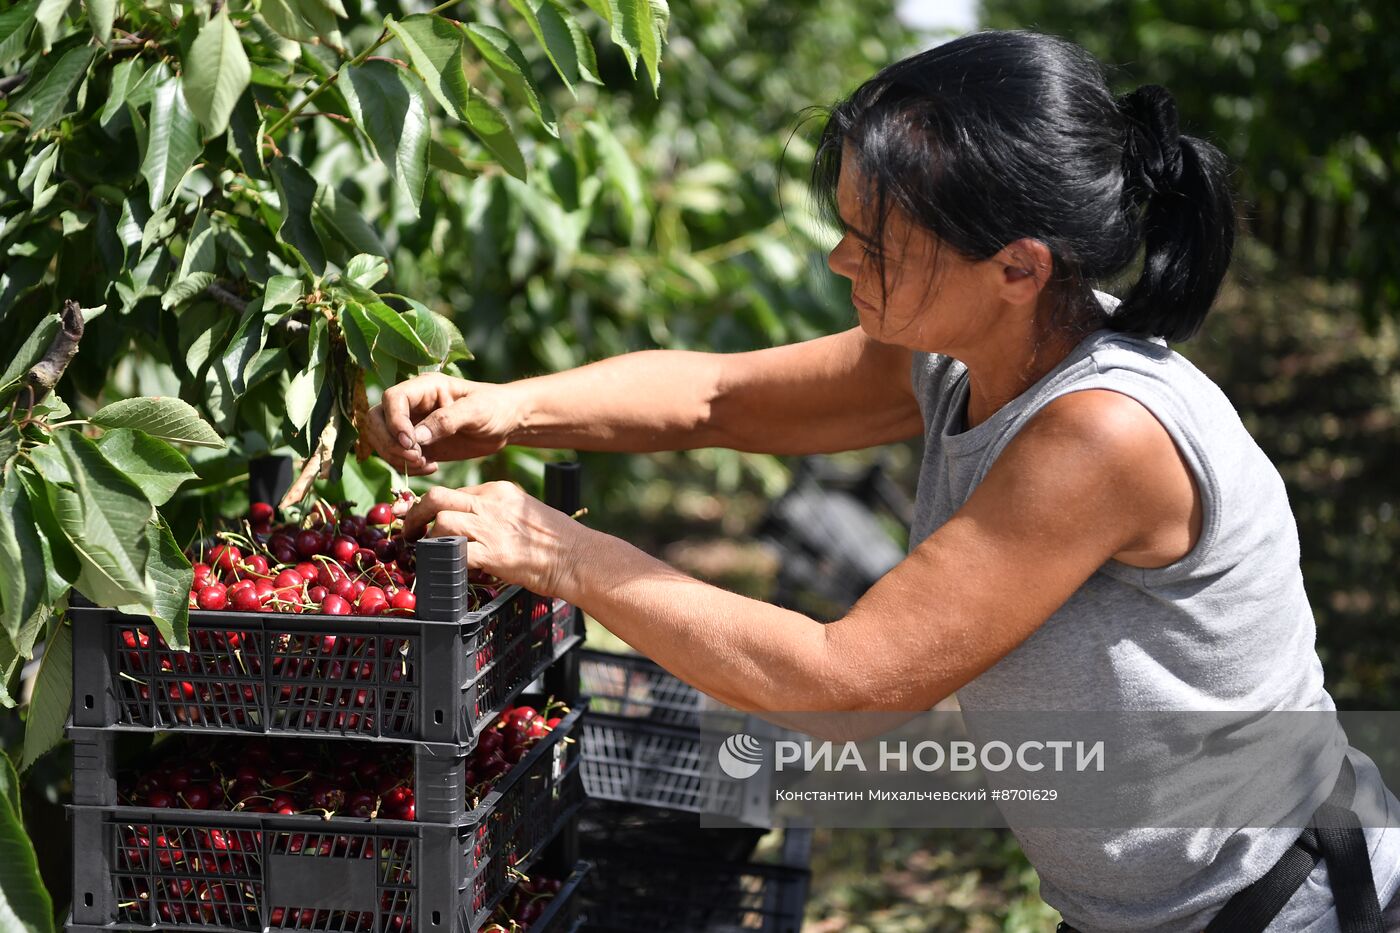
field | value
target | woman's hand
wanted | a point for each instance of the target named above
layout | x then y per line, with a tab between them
435	417
514	535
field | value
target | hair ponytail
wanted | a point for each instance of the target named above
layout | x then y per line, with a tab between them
1180	184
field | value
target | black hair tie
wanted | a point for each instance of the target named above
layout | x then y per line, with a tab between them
1151	142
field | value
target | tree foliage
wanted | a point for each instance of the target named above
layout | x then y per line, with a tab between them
200	186
1300	96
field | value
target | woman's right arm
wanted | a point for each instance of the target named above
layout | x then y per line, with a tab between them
840	392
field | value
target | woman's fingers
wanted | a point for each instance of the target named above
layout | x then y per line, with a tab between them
377	433
426	509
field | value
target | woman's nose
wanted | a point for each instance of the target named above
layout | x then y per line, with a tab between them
842	259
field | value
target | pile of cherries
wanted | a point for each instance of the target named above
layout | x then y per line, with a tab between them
509	739
322	778
523	906
332	562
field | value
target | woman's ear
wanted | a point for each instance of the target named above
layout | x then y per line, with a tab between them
1024	268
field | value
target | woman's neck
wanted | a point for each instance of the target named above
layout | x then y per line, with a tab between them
998	374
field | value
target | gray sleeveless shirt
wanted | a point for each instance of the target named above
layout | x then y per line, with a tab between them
1227	627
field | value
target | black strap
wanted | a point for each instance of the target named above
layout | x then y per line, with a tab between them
1334	834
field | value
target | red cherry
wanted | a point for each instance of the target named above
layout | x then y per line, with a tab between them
213	596
310	543
373	596
203	575
317	594
308	570
260	512
357	587
403	599
247	600
335	605
240	585
287	578
285	553
381	514
343	548
160	798
225	557
196	797
344	588
255	565
328	573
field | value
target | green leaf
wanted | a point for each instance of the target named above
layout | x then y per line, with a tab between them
428	327
445	159
197	266
508	62
100	16
297	189
456	343
22	580
169	577
491	127
245	130
366	271
321	20
25	905
283	291
166	419
47	101
583	46
361	333
35	177
337	218
204	336
553	33
435	47
31	351
61	564
53	697
216	73
646	27
285	17
9	783
49	15
397	336
103	515
173	143
150	463
625	178
16	24
243	350
301	397
144	91
388	107
624	39
9	447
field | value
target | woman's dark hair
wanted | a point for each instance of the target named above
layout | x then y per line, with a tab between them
999	136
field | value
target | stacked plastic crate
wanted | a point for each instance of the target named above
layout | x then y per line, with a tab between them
424	688
649	774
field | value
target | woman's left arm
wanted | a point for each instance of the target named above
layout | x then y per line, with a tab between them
1092	475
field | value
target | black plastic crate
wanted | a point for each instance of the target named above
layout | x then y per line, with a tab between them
662	888
135	867
614	825
441	676
563	913
643	743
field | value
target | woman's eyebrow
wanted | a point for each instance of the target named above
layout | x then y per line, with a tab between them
857	232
